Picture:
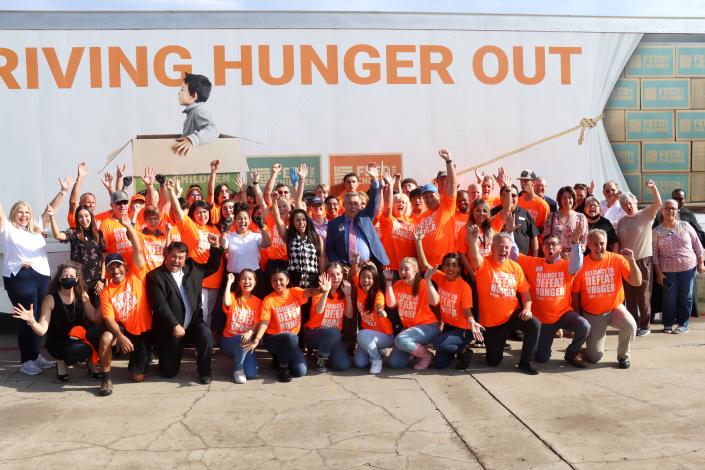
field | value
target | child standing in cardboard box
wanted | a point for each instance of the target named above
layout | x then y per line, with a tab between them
199	128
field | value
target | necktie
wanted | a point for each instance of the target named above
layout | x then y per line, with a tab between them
352	238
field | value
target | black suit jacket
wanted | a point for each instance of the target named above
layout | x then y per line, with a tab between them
168	308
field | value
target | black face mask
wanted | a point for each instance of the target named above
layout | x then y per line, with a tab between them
68	282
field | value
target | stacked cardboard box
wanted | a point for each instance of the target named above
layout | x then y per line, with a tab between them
655	119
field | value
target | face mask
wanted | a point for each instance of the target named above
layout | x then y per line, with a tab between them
68	282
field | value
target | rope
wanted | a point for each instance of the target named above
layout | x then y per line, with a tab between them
585	123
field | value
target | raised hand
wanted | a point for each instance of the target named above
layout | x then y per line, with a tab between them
120	170
650	184
324	282
445	155
214	165
82	170
254	175
21	313
479	176
240	183
510	223
372	170
418	233
473	233
108	181
66	183
276	168
149	176
591	188
50	211
346	287
577	232
230	278
169	185
388	275
627	253
177	188
125	220
429	273
354	258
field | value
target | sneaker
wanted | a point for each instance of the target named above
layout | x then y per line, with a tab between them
106	388
239	376
205	379
643	332
30	368
283	374
375	366
668	329
464	358
62	372
42	362
527	368
624	363
321	364
681	330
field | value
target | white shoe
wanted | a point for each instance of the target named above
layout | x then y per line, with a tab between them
42	362
239	376
30	368
375	366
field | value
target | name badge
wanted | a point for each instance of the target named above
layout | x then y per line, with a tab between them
539	268
521	218
341	228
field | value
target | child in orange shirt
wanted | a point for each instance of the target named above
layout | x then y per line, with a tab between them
242	311
376	333
323	329
413	299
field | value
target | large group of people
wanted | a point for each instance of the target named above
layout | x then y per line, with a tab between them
425	274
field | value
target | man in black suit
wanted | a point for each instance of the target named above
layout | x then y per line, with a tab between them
174	291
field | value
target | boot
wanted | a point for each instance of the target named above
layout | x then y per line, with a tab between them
424	357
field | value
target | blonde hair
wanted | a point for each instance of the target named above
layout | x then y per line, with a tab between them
34	228
405	198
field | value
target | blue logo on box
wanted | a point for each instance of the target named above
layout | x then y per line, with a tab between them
625	94
666	183
690	125
634	184
691	61
666	156
651	61
649	125
665	94
628	155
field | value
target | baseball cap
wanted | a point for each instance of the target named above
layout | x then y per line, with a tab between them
315	201
114	258
119	196
429	188
441	174
416	192
527	175
137	197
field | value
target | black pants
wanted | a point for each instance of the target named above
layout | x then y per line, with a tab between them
27	287
73	350
496	336
139	357
170	350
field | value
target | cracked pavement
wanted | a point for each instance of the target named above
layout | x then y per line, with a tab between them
650	416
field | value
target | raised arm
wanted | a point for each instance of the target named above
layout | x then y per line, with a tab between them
149	178
75	196
119	173
433	297
472	238
64	185
137	255
420	253
575	261
325	285
346	287
389	298
278	222
269	187
634	278
174	200
57	234
656	205
227	298
302	173
108	183
452	179
373	204
388	196
210	193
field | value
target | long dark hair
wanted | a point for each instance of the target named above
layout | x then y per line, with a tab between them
370	301
485	226
79	289
197	205
238	290
92	229
310	232
216	192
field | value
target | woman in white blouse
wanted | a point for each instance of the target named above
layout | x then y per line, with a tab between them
25	271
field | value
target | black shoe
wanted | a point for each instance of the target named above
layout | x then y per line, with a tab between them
283	374
527	368
275	362
464	358
624	364
62	373
205	379
507	346
106	388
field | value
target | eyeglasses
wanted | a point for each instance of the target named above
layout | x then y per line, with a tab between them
549	243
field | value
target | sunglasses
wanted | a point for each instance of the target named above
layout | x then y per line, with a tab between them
122	203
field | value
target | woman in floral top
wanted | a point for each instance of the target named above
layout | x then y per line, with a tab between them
563	222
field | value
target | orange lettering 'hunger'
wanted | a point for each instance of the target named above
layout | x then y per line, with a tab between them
441	68
159	64
11	62
63	79
220	65
373	68
265	70
478	65
539	61
565	53
328	71
118	60
394	64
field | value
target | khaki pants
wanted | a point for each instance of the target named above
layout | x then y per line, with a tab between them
620	319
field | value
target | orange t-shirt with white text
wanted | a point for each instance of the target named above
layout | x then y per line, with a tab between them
600	283
455	298
497	288
372	320
196	238
283	312
332	316
551	285
153	247
537	207
438	228
461	221
127	302
401	234
413	309
116	240
277	250
242	315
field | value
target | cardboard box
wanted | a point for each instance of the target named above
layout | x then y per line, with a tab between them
651	61
263	164
625	94
155	151
340	165
665	93
690	61
665	157
690	125
634	184
614	124
697	187
649	125
628	155
666	183
697	93
697	156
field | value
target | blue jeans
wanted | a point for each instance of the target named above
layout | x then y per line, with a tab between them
242	360
369	347
570	321
27	287
328	342
285	349
678	300
449	343
407	340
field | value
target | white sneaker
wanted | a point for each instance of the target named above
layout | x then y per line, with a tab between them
42	362
375	366
239	376
30	368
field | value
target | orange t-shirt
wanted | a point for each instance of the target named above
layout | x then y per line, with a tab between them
153	247
214	213
537	207
551	285
600	283
371	320
401	235
455	299
461	220
242	315
497	287
196	238
485	243
332	316
127	302
116	240
493	201
283	312
439	230
413	309
277	250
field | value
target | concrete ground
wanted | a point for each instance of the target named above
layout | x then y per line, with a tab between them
650	416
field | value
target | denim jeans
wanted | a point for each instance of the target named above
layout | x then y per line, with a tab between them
241	360
285	349
449	343
328	342
369	346
407	340
27	287
678	300
570	321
